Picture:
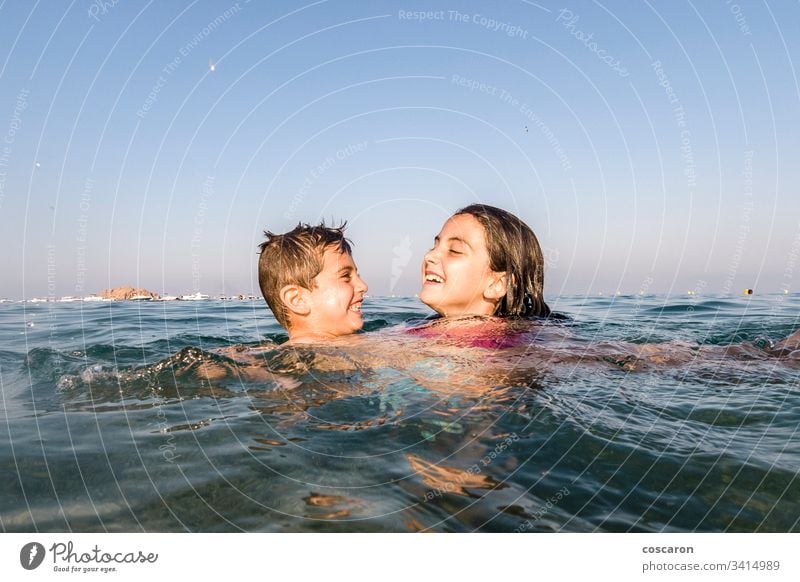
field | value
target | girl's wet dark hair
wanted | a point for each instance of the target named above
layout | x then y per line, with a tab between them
515	250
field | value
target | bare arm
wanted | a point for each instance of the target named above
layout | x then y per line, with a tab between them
787	345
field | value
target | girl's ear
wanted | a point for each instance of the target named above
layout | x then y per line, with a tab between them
498	287
296	299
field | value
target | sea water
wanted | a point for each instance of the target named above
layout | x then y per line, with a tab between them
126	417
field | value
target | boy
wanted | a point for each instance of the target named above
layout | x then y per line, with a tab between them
311	283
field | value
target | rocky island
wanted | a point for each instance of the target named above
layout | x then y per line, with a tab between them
128	293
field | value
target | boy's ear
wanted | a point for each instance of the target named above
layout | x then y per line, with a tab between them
295	298
498	287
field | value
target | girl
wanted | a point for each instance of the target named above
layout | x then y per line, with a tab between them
485	277
485	261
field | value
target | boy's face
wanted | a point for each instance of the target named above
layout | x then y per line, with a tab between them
336	297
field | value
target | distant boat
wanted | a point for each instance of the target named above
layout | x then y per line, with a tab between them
141	298
37	300
6	301
93	298
195	297
168	298
68	299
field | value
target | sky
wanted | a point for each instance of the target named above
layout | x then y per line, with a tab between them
653	147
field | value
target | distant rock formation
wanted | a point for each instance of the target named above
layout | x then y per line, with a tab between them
124	293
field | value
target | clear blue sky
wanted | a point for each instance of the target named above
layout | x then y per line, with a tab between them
650	145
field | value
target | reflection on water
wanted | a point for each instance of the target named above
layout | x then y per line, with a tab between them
633	415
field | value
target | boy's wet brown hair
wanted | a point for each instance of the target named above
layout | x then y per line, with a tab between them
295	258
515	250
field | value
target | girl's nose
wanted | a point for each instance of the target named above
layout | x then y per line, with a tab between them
430	257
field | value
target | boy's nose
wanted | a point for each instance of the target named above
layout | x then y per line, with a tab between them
361	285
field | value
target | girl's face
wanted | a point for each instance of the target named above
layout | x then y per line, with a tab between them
456	277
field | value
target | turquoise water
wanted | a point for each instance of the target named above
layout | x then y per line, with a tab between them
123	417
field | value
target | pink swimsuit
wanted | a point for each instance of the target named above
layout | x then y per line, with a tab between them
491	334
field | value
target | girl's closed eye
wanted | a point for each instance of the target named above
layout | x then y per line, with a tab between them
457	248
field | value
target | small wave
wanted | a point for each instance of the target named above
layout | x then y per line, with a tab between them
186	340
188	373
9	357
377	324
682	308
120	354
49	364
190	426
